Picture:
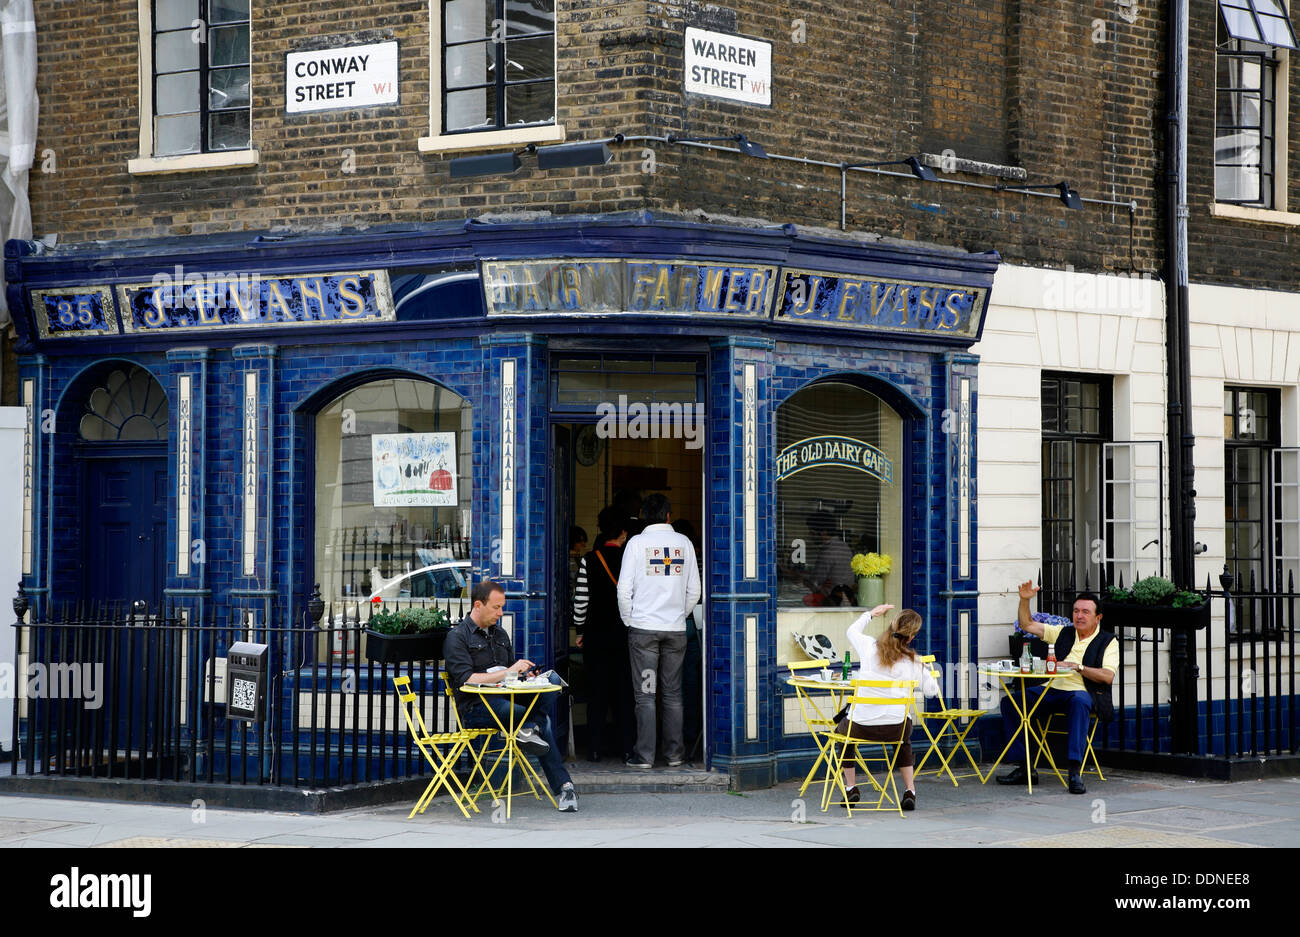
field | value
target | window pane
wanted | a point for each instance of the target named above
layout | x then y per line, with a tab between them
175	52
527	59
174	14
228	130
229	45
1241	25
227	11
467	19
471	64
1091	396
173	135
229	88
465	110
530	104
529	16
1091	421
177	94
1073	421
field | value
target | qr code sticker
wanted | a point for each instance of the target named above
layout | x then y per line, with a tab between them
243	695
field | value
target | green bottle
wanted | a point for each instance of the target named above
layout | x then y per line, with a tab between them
848	658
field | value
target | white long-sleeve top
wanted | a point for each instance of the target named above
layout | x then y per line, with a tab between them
870	668
659	582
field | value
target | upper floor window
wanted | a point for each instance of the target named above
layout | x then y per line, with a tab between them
194	85
492	74
1250	136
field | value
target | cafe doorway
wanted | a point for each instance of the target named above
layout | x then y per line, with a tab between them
591	471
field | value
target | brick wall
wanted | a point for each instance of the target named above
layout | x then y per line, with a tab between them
1004	80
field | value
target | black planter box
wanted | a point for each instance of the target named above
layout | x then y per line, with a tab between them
1131	615
394	648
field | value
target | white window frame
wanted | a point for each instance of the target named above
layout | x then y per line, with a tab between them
148	164
439	142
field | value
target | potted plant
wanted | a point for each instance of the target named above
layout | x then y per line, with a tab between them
1157	602
1037	647
871	569
408	634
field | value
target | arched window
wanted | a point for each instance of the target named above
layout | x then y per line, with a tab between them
129	407
393	491
838	492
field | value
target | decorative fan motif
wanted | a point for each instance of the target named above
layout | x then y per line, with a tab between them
130	407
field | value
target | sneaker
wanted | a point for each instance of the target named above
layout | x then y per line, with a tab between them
852	796
909	800
634	761
675	764
1018	776
531	741
568	802
1076	784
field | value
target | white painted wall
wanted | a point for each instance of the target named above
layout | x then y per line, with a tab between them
11	521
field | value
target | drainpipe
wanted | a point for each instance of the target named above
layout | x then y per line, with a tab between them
1182	514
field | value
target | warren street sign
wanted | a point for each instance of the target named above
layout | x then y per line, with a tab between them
731	67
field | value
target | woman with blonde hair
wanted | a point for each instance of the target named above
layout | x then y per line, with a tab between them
890	658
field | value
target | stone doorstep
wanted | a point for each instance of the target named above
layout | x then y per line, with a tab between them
611	779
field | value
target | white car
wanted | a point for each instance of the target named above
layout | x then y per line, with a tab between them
445	580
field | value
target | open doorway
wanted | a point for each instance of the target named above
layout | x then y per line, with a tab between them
593	472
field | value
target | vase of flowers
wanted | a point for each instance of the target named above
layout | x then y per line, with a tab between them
871	568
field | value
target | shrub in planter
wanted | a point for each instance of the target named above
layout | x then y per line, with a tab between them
406	634
1155	601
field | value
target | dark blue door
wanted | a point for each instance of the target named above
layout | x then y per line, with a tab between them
124	534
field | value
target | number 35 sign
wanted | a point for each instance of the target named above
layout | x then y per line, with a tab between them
85	312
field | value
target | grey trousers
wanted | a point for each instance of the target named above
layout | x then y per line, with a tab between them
656	658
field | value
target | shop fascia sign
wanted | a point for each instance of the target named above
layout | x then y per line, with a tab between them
838	451
182	301
581	286
348	77
733	68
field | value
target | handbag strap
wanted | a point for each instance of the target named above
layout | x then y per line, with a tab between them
611	576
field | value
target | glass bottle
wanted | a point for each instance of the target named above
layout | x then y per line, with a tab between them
848	658
1026	659
1051	658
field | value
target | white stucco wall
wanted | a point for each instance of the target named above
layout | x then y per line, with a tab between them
11	520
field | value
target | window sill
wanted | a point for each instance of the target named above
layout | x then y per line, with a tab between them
492	139
1260	215
191	162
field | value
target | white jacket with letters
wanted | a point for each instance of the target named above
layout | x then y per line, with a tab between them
659	582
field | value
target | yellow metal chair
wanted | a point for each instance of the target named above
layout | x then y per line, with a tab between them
819	723
948	719
476	754
1088	755
841	742
440	749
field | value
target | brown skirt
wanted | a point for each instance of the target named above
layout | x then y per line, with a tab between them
887	733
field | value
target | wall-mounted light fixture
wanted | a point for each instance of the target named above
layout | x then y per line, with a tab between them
743	143
560	156
492	164
1068	196
922	172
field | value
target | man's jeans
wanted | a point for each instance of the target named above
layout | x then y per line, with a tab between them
476	717
656	658
1076	704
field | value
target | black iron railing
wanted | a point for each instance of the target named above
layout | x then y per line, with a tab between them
141	694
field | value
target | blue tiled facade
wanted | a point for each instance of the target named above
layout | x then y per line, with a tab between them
300	371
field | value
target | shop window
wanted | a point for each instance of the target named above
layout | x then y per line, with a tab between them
129	407
393	489
1253	468
195	76
838	493
1075	430
1251	103
492	74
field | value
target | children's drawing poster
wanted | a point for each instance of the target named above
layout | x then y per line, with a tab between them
414	469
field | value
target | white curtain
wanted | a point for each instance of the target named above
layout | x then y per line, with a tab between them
18	107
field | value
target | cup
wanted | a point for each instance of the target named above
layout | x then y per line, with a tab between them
511	678
1006	664
1040	665
826	674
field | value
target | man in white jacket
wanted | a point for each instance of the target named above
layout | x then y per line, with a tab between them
658	586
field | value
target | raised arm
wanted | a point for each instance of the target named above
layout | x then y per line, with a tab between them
1027	591
855	633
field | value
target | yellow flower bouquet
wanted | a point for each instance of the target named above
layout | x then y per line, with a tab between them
871	565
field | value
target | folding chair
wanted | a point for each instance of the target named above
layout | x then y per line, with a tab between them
1088	755
948	717
471	736
818	723
840	743
440	749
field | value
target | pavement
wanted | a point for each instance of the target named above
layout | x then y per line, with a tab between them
1128	809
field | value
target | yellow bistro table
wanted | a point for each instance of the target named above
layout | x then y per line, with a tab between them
533	690
1009	679
821	721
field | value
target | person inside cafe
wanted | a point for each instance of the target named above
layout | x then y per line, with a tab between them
890	658
1089	658
478	651
832	580
602	636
